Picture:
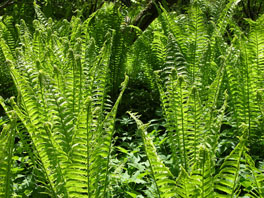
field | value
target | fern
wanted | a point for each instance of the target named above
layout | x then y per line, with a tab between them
225	16
199	182
7	139
245	80
184	182
65	70
193	48
258	178
202	173
161	174
197	42
188	127
64	105
176	29
227	180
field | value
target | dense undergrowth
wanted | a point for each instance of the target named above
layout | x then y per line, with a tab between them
84	91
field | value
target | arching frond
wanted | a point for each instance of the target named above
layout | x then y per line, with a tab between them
257	177
64	106
202	174
7	140
245	79
163	178
227	180
198	41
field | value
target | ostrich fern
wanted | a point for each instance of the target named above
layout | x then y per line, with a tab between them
190	96
7	139
245	79
64	71
62	85
201	179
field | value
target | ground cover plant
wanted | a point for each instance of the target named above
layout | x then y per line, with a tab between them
75	126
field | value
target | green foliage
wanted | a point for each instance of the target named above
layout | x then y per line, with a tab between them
162	176
202	180
204	139
8	33
245	80
64	106
191	93
227	180
7	138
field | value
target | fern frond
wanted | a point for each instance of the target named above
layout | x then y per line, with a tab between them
117	58
245	80
50	157
9	33
158	48
6	51
91	152
185	185
255	63
64	105
227	180
177	47
7	139
213	116
40	15
258	178
225	16
194	128
198	41
174	103
105	147
217	42
181	97
175	27
168	105
162	176
175	60
24	35
202	174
